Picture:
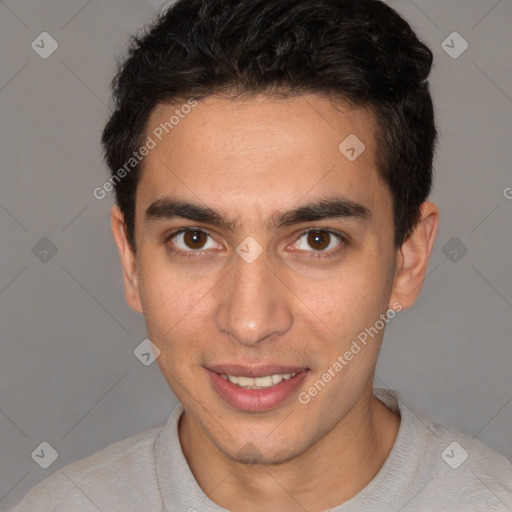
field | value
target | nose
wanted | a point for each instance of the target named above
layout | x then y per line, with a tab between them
254	302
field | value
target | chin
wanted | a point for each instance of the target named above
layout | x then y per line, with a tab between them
265	452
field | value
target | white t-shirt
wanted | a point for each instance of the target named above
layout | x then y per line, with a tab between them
430	468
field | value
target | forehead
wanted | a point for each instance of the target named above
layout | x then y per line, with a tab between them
255	155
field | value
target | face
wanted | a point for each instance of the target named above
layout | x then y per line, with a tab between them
275	283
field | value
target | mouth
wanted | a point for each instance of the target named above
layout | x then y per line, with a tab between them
265	382
255	389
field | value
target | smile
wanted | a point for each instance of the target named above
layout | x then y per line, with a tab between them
256	389
259	382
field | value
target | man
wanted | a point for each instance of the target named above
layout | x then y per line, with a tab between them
272	161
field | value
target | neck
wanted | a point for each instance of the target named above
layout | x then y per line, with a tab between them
327	474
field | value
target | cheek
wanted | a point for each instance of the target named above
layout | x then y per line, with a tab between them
347	300
173	312
168	293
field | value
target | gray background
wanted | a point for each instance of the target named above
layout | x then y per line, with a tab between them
68	374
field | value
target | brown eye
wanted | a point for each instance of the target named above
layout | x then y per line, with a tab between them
320	242
194	239
319	239
190	241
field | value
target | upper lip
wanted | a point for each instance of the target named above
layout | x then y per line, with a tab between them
254	371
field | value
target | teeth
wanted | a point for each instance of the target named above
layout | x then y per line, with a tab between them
258	382
245	381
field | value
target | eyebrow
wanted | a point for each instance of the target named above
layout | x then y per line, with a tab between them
168	208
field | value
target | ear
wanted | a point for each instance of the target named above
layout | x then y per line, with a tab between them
128	260
413	258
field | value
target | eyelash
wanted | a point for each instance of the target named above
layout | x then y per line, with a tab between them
312	254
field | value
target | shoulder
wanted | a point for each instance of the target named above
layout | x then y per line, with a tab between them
480	473
447	467
106	480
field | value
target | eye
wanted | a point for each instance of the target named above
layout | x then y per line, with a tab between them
193	241
322	241
190	240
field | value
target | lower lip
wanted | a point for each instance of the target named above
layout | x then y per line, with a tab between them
255	400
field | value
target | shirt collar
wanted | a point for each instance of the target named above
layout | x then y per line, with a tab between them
180	491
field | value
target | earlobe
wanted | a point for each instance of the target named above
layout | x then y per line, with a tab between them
413	257
128	260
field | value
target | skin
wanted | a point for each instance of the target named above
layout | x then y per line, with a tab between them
249	159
